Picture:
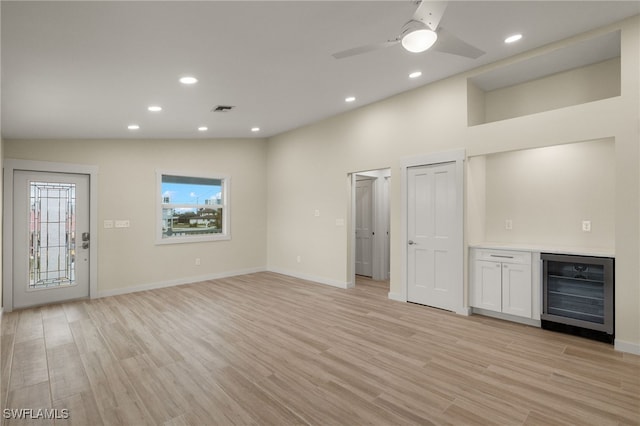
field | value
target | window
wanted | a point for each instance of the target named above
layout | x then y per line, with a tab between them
192	208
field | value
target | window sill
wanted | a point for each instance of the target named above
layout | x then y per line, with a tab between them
194	239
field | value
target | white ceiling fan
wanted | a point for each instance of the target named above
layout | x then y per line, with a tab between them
420	33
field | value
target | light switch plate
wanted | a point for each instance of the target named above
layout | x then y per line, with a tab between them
122	224
108	224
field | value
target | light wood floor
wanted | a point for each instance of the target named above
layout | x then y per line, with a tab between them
266	349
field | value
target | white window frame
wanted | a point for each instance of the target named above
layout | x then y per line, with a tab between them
224	206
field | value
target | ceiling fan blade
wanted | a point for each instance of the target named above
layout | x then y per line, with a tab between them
449	43
430	12
363	49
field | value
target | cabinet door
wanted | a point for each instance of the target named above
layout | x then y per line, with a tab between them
487	285
516	289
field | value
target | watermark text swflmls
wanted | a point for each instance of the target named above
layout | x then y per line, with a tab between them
36	413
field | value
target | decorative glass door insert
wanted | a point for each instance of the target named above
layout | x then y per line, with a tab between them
52	234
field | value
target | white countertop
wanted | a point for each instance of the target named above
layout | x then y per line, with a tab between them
581	251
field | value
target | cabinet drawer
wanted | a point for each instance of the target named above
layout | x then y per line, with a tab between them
504	256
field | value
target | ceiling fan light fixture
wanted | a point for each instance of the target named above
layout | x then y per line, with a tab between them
419	40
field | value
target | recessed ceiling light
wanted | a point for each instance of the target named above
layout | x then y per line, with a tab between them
188	80
255	129
203	128
350	99
415	74
513	38
155	108
133	127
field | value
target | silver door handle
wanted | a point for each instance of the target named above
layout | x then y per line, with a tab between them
411	242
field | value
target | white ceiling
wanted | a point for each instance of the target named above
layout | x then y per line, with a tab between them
87	69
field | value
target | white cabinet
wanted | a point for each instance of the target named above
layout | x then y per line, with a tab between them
516	289
501	281
486	281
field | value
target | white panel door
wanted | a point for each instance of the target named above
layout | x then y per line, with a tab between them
516	289
364	227
431	231
51	237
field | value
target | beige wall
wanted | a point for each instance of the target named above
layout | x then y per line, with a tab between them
586	84
1	203
129	257
308	166
547	193
1	185
1	222
273	220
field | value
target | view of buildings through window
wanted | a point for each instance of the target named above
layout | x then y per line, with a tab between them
192	206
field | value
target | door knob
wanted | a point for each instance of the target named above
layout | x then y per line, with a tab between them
411	242
85	240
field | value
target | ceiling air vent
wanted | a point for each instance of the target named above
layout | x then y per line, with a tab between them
222	108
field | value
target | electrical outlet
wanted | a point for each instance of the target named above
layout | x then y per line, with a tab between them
197	261
299	259
316	213
586	225
508	224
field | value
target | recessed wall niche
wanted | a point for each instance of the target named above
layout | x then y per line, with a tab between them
544	194
582	72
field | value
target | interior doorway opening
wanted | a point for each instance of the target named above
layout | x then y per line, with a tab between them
370	230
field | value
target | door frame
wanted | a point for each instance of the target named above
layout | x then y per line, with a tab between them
457	156
373	182
379	218
10	166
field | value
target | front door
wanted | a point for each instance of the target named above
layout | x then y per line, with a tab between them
431	229
364	227
51	237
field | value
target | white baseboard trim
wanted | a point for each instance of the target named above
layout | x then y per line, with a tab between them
506	317
398	297
176	282
312	278
464	311
622	346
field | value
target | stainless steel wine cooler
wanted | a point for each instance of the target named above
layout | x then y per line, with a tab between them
578	294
